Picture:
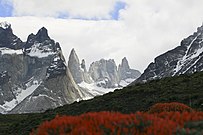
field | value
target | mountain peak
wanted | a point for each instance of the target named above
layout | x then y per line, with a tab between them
73	51
184	59
125	63
125	72
200	29
42	34
83	65
7	38
73	56
5	25
78	71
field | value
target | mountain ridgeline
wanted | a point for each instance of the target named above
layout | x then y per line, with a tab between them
34	75
104	73
184	59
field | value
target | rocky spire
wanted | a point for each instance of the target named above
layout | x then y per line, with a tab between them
104	73
124	63
42	34
7	38
78	70
40	43
73	57
126	72
83	65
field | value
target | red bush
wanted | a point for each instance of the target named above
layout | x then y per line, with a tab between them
112	123
168	107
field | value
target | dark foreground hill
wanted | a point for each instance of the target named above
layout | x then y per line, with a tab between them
187	89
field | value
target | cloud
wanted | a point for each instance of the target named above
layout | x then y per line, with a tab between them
88	9
160	25
144	29
92	40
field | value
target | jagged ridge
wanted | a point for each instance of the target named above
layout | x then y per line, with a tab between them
104	73
38	78
184	59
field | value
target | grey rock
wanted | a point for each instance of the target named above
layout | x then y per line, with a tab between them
78	71
125	72
83	66
51	93
7	38
104	73
37	78
184	59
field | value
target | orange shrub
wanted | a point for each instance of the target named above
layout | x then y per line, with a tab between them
113	123
168	107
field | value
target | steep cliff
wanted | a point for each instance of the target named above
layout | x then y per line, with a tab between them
33	74
184	59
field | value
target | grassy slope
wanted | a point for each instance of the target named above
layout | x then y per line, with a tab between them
187	89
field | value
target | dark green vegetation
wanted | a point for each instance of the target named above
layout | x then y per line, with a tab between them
187	89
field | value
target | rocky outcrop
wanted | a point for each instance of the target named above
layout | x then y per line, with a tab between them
125	72
55	91
104	73
184	59
78	71
7	38
34	77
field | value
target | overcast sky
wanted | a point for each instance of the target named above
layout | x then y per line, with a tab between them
137	29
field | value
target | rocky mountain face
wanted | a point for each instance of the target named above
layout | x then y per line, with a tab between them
103	73
7	38
77	69
184	59
33	75
127	74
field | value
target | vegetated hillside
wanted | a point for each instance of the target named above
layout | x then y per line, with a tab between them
187	89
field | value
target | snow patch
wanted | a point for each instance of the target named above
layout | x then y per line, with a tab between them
186	57
94	89
37	51
28	91
43	95
23	93
126	82
5	50
5	25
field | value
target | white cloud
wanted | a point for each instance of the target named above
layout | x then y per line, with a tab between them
73	8
160	25
145	29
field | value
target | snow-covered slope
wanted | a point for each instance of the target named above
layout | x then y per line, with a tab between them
186	58
20	95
